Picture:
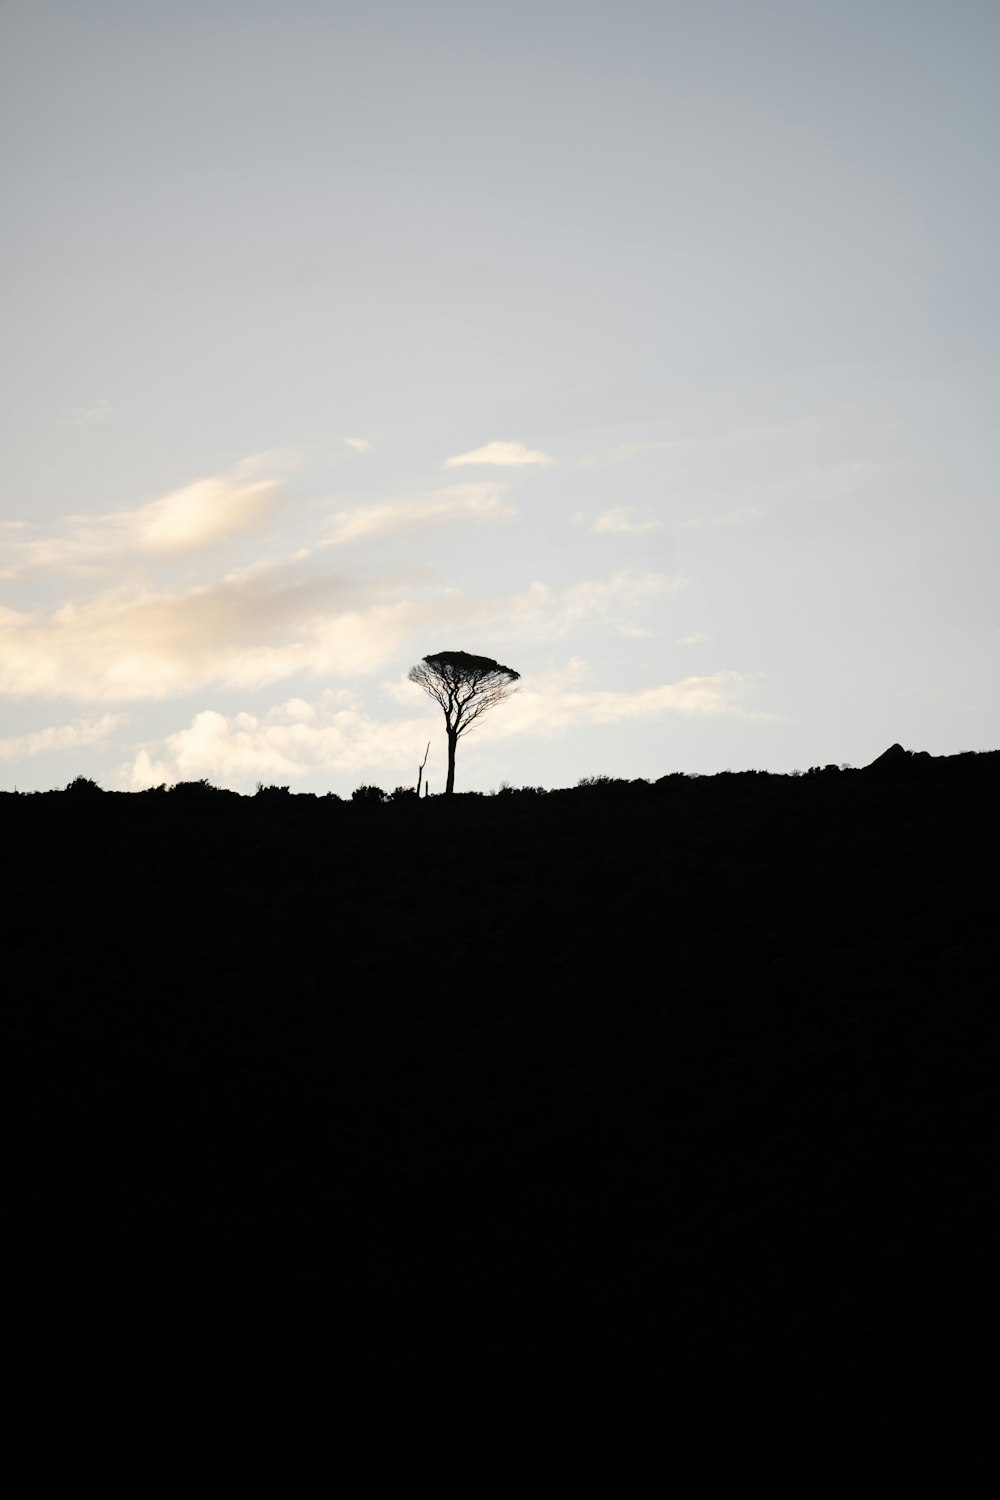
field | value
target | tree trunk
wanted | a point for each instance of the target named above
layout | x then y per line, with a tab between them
452	742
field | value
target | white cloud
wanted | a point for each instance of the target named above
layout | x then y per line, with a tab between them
295	711
361	445
59	737
294	740
504	454
618	520
335	734
457	502
694	638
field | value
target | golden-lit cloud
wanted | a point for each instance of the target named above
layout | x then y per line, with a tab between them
199	515
360	445
270	622
262	627
506	455
203	513
244	633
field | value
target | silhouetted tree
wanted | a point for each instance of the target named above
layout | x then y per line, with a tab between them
466	687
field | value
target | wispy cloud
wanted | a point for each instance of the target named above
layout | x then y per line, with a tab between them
625	452
619	520
771	432
830	481
91	416
362	445
553	709
745	515
545	613
810	484
59	737
754	433
694	638
507	455
457	502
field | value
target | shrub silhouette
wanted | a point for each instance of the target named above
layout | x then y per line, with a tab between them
82	786
201	791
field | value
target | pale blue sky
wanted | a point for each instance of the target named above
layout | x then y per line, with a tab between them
704	296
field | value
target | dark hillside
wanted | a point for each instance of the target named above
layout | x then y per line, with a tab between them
510	1144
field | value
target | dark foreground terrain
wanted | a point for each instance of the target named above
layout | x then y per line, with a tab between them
636	1139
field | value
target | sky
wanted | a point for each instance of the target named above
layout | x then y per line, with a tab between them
651	349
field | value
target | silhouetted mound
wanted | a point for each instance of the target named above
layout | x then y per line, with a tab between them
896	762
532	1143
